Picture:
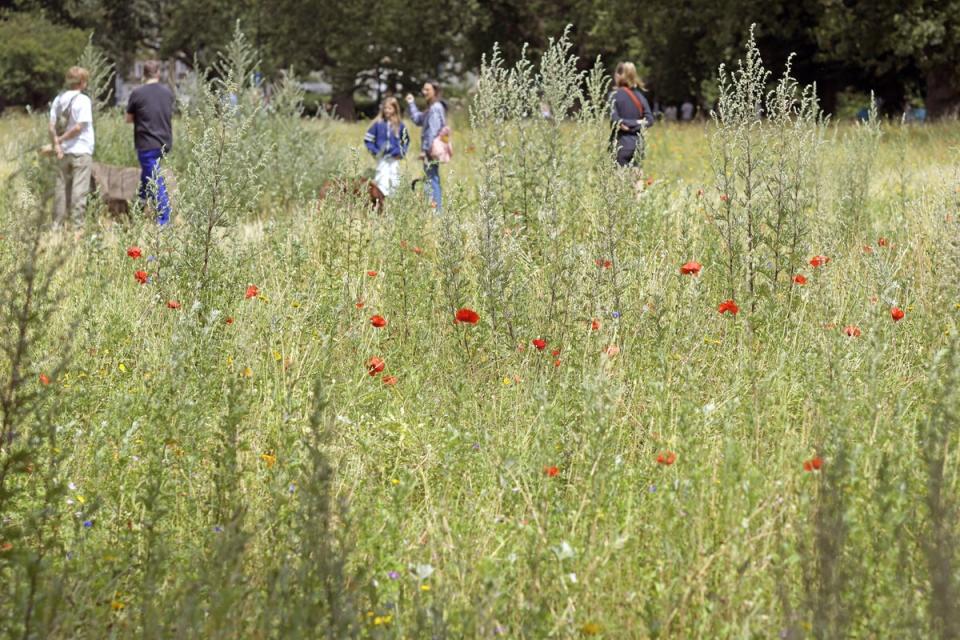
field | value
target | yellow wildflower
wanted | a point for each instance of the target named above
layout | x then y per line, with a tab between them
591	629
269	459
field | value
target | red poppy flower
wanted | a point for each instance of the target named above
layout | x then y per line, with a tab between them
389	380
555	353
551	471
556	362
881	241
372	273
867	249
649	181
724	197
173	304
897	314
467	315
375	365
799	279
540	344
134	252
691	268
359	304
417	250
594	324
818	261
229	320
666	458
852	330
378	321
44	380
141	276
813	464
252	291
728	306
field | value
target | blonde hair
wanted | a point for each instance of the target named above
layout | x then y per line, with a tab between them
627	76
76	76
395	121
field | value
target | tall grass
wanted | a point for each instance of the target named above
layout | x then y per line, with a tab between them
235	467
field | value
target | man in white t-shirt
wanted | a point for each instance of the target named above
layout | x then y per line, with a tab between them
73	144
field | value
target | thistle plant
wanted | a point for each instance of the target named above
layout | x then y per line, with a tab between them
765	153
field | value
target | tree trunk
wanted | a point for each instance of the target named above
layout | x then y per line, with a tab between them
342	102
943	92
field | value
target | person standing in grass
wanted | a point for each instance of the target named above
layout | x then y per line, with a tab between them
388	140
150	109
433	120
630	113
71	131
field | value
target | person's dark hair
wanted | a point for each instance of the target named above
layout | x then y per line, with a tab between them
436	87
151	69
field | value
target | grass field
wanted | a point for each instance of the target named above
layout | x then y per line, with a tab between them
234	450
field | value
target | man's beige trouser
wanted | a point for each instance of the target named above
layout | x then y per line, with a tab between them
73	183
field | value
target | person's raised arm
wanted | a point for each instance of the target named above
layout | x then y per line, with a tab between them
415	114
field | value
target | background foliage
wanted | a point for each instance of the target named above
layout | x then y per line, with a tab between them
901	51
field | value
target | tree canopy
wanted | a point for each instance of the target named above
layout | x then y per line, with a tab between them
895	48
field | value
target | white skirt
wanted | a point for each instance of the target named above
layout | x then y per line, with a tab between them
388	175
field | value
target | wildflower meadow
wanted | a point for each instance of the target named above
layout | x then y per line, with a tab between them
720	403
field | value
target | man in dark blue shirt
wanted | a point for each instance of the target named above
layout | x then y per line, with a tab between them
150	109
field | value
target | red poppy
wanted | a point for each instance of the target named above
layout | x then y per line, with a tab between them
666	458
867	249
649	181
134	252
540	344
229	320
551	471
594	324
724	197
467	315
813	464
378	321
799	279
555	353
852	330
358	304
881	241
691	268
603	263
389	380
418	250
44	380
375	365
818	261
372	273
173	304
141	276
728	306
556	362
897	314
252	291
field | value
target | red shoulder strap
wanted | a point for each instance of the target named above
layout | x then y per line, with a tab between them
635	100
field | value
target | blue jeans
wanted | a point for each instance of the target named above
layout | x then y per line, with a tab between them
432	169
150	173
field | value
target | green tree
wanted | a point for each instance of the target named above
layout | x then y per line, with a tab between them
34	54
897	37
364	41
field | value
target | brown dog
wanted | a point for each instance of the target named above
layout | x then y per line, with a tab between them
353	187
